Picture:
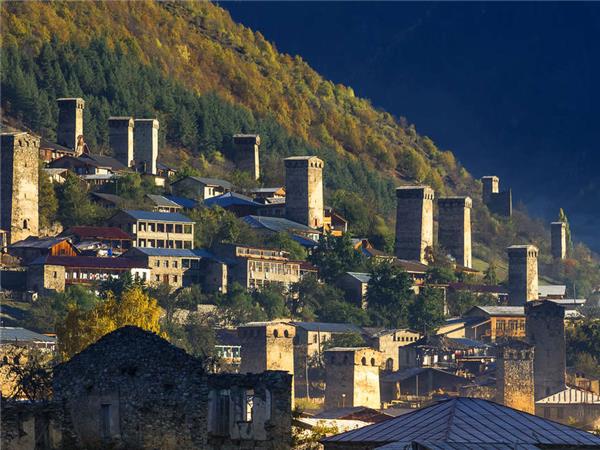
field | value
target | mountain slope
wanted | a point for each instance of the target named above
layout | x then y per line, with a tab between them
206	77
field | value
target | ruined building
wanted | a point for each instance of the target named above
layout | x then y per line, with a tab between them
352	377
522	274
145	145
546	331
19	154
514	375
304	190
70	122
497	202
558	232
414	222
454	233
120	138
248	153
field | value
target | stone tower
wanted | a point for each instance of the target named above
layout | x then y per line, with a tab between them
414	222
558	232
514	375
491	186
352	377
522	274
19	185
454	232
248	153
70	121
267	346
145	145
497	202
545	327
120	138
304	190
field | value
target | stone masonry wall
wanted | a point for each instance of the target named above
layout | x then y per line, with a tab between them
414	222
120	136
558	231
514	376
145	144
248	153
70	121
454	233
522	274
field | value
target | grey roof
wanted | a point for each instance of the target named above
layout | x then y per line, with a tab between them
184	202
160	200
468	421
410	372
502	310
360	276
209	182
22	335
34	242
103	161
157	216
328	327
109	197
551	289
455	446
276	224
166	252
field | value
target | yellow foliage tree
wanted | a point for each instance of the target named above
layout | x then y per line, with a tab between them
81	328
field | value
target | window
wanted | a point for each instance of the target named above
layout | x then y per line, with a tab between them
178	228
187	229
160	227
166	263
248	405
160	243
157	278
175	278
157	263
363	361
142	226
169	228
55	274
175	264
178	244
185	263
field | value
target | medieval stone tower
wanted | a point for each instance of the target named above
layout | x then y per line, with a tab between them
514	375
414	222
545	326
120	137
522	274
19	185
558	232
352	377
304	190
248	153
497	202
70	121
145	145
454	233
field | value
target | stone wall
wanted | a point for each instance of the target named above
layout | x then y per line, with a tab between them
30	426
19	185
389	344
545	326
45	278
145	144
120	137
558	231
70	121
454	232
522	274
414	222
352	378
304	190
514	375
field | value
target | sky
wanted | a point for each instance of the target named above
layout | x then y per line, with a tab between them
511	88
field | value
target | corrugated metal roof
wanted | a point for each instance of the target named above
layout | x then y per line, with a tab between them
360	276
99	233
160	200
328	327
455	446
276	224
517	311
209	182
551	289
34	242
18	334
184	202
570	396
230	199
157	216
468	421
109	197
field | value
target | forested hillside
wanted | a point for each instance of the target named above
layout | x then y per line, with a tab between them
206	78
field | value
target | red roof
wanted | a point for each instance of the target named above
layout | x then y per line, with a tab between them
99	233
91	262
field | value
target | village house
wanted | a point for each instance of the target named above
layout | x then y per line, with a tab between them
103	241
175	267
354	285
502	321
333	222
156	229
56	176
238	204
88	164
419	382
163	204
33	247
200	188
109	201
571	406
304	235
49	274
264	194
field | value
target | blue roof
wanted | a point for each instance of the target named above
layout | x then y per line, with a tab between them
157	216
180	252
276	224
230	199
305	242
17	334
184	202
468	421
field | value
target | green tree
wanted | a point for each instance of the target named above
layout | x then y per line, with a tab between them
334	256
441	275
238	306
344	340
48	202
272	301
75	208
426	312
489	276
283	241
389	294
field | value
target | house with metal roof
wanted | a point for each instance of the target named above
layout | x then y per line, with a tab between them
551	291
238	204
172	266
184	202
155	229
99	241
464	423
33	247
163	204
354	285
23	337
110	201
571	406
200	187
305	236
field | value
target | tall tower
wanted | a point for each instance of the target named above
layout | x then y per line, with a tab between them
454	232
248	153
19	185
120	138
558	232
491	185
545	326
145	144
522	274
70	121
352	377
514	375
304	190
414	222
